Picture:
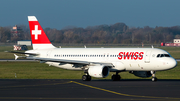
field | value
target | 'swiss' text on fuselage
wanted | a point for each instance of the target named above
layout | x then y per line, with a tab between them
131	55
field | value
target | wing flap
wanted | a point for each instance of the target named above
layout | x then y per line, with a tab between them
59	60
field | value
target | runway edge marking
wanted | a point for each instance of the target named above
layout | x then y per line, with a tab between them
122	93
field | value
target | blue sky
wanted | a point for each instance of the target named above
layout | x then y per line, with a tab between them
83	13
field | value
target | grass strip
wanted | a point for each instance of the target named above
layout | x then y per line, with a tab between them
36	70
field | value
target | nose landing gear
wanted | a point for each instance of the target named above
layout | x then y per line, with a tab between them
153	76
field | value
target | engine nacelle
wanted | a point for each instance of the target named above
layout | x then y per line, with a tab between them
141	73
99	71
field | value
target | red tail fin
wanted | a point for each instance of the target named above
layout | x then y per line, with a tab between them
38	36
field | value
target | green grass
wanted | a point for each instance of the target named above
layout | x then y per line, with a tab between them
36	70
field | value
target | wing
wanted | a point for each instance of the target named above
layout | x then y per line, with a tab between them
64	61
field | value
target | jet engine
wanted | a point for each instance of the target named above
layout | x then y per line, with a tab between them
99	71
141	73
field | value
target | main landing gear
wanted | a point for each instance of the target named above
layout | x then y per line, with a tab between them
86	78
116	77
153	76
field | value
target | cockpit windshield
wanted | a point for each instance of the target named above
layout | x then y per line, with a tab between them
163	55
167	55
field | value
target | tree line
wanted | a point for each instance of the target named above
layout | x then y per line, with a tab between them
118	33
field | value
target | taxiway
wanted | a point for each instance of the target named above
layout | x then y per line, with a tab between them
95	90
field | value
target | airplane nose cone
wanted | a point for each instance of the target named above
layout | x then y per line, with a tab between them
172	63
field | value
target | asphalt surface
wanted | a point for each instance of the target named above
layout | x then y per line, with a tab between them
95	90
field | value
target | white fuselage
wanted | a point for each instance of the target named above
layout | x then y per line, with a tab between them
122	59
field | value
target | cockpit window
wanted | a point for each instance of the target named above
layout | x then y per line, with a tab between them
158	55
167	55
163	55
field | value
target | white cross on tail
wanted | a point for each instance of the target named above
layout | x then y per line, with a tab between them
36	32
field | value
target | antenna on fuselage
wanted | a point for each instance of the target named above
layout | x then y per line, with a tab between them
152	46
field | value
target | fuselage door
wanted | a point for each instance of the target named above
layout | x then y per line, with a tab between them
106	57
48	54
147	56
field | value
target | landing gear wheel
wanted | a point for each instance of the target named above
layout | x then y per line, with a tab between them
115	77
86	78
153	76
154	79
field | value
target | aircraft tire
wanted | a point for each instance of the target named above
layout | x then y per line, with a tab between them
154	79
86	78
115	77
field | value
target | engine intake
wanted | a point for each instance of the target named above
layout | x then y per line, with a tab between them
99	71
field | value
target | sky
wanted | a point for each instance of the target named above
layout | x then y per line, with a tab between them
61	14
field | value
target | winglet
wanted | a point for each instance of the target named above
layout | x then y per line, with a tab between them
16	57
152	46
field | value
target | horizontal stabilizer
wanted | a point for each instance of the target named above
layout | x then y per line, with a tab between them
16	56
22	53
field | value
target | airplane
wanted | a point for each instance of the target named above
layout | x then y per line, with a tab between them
98	62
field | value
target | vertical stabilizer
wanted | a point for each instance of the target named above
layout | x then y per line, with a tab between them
38	36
